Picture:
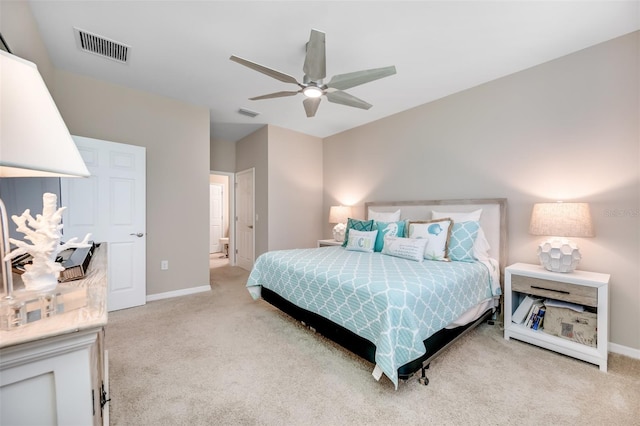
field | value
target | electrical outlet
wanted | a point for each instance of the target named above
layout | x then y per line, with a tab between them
164	265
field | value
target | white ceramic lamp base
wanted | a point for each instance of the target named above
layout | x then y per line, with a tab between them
559	255
338	232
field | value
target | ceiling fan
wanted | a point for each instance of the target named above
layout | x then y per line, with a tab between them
314	72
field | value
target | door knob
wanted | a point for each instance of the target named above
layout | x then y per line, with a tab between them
139	234
250	226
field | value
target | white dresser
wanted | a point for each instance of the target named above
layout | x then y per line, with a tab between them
54	371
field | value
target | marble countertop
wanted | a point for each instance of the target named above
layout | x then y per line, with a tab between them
92	315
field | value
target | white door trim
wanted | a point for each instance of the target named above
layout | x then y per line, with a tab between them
253	210
231	193
215	246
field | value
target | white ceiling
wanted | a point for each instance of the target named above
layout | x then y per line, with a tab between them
181	49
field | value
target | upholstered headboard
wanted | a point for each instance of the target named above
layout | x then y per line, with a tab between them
493	219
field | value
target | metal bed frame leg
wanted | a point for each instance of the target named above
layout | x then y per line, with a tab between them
424	380
427	362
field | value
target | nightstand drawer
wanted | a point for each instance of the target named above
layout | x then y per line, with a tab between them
582	295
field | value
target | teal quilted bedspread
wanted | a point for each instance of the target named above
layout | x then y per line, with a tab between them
392	302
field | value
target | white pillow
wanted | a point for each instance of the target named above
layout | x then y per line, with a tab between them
362	240
406	248
384	216
481	246
437	232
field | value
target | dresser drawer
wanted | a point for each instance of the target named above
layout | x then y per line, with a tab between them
582	295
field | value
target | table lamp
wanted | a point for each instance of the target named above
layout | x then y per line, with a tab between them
558	221
339	215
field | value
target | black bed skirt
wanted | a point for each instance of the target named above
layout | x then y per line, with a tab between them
359	345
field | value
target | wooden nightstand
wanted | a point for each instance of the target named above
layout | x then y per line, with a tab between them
588	289
330	242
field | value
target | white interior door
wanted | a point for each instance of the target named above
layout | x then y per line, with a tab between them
245	219
111	206
215	217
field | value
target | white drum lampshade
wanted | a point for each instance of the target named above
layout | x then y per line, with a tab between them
34	140
558	221
339	215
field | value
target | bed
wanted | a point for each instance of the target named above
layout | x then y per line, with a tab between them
392	307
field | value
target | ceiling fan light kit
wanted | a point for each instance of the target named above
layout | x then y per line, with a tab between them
312	92
314	72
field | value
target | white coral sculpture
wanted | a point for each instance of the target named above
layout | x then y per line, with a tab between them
44	233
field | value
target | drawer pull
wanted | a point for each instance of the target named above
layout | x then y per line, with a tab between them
550	289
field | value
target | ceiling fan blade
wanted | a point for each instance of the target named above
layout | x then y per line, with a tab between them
344	98
316	61
353	79
275	95
265	70
311	106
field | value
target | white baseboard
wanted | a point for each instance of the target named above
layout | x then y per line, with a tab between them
178	293
624	350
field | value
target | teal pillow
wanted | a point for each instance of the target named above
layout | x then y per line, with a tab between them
463	236
392	229
358	225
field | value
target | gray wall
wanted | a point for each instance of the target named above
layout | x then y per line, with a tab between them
295	189
567	129
251	152
223	156
288	186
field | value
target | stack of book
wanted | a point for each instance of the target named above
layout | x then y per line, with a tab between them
530	313
76	262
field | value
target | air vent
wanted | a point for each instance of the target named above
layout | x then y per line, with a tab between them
102	46
248	112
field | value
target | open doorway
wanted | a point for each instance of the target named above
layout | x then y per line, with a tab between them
221	225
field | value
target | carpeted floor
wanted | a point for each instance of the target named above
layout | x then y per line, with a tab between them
217	260
221	358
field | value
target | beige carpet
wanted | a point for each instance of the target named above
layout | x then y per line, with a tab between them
220	358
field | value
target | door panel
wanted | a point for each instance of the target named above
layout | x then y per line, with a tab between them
122	201
82	194
111	206
122	277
